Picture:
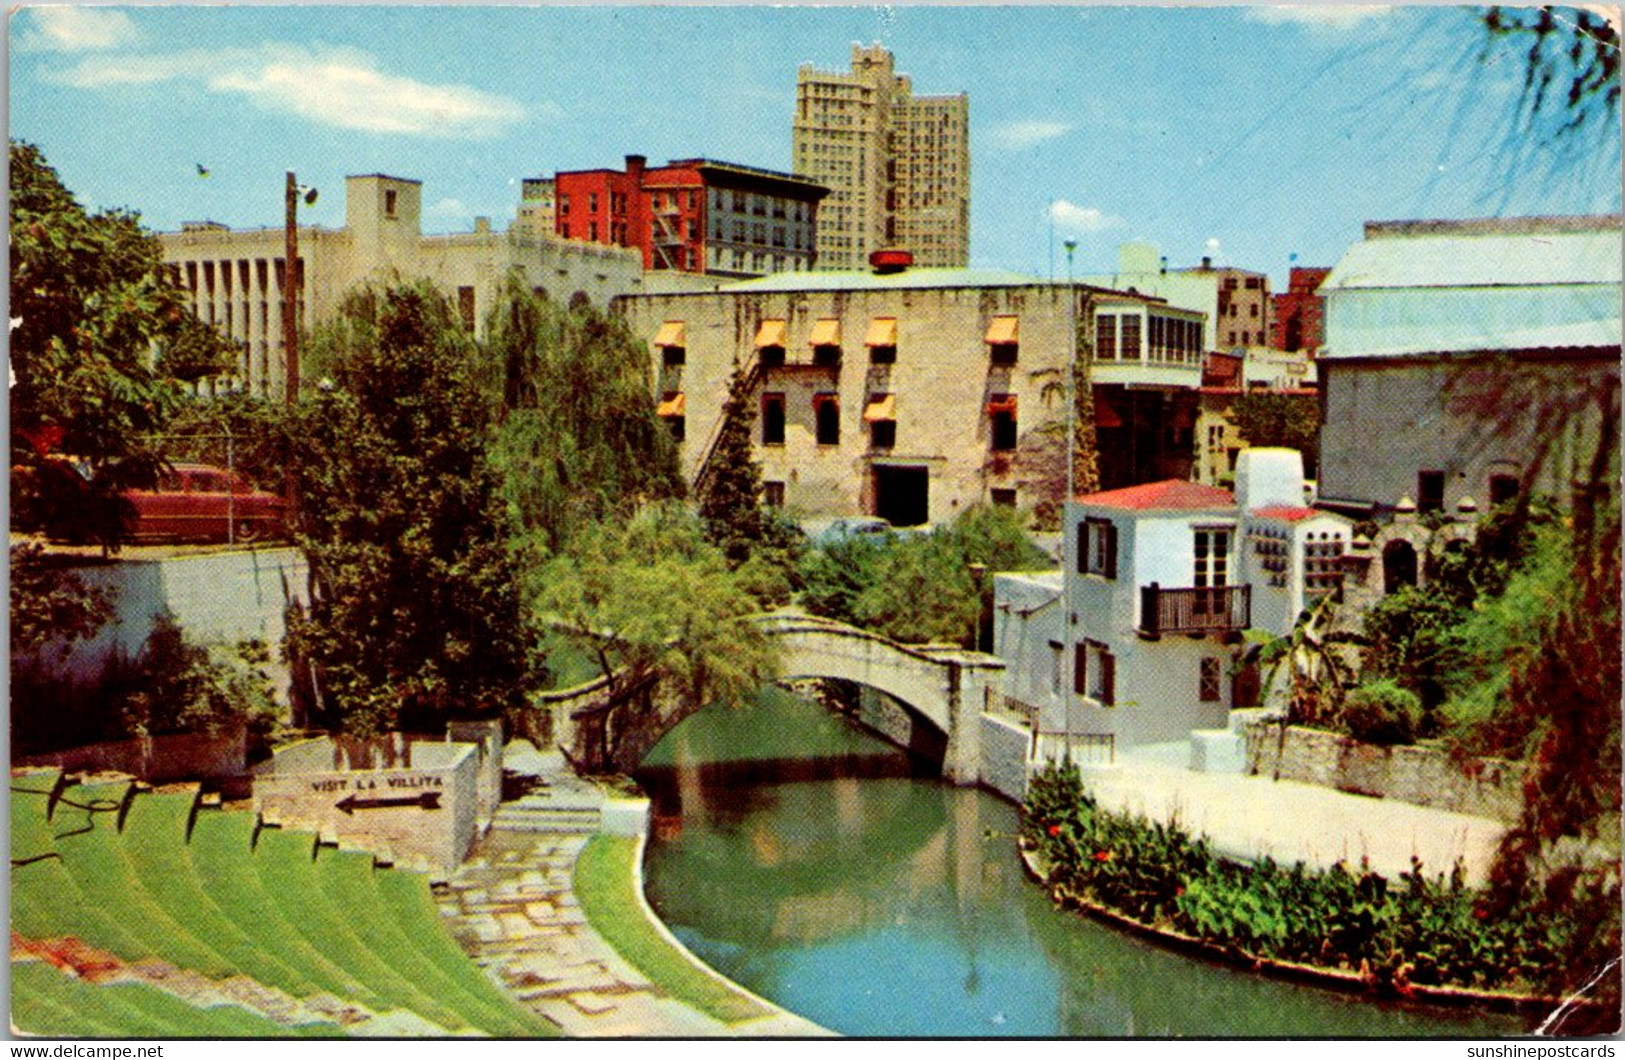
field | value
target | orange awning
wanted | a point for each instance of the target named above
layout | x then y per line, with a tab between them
771	333
882	332
827	332
1003	331
1002	403
881	407
673	405
672	333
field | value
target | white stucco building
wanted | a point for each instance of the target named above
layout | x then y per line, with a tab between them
1138	640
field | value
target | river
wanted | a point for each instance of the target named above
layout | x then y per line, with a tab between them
813	863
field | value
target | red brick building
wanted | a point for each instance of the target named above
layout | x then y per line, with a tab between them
694	215
1300	312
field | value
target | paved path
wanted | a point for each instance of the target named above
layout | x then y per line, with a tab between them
1254	816
512	908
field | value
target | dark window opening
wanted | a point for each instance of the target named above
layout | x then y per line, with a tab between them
389	202
902	495
1003	498
827	356
773	494
673	355
1503	488
1429	491
679	427
882	354
772	419
883	434
771	356
1004	430
1003	353
1398	566
827	419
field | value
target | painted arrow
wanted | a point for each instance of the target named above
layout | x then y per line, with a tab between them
429	800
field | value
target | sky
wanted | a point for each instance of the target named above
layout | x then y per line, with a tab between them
1261	137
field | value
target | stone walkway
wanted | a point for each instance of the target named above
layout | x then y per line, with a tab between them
512	908
1254	816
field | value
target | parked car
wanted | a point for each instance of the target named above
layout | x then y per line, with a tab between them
827	532
197	502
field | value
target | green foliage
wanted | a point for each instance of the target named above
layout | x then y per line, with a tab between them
50	603
1272	418
921	588
195	351
1315	659
173	685
93	300
1415	929
1381	712
650	598
248	434
578	439
414	612
731	496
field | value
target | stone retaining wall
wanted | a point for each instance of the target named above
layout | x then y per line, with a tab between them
1423	776
1004	756
156	759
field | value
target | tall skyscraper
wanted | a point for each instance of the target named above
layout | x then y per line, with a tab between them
897	165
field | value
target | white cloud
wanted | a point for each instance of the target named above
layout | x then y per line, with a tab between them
1017	135
1324	17
1074	218
339	87
75	29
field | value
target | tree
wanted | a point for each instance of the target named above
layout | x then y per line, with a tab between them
653	601
1570	88
1271	418
1048	449
730	496
50	603
94	304
414	612
578	439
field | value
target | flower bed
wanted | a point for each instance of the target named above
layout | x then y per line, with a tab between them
1416	935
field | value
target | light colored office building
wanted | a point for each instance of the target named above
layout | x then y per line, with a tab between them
897	165
236	276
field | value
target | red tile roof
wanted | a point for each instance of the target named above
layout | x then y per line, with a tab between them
1286	513
1171	494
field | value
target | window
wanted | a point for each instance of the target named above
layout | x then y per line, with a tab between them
1503	488
592	202
772	419
1429	491
773	494
882	340
1131	338
770	343
1322	564
1004	339
1106	337
673	355
1208	682
827	419
1253	283
1094	672
672	410
881	416
883	434
1057	675
1003	498
1097	547
1002	427
1212	558
389	202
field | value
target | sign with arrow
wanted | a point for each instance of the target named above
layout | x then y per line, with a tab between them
429	800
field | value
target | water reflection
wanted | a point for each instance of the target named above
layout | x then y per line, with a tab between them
876	902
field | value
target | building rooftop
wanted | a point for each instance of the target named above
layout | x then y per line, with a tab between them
1287	513
1510	252
864	280
1169	495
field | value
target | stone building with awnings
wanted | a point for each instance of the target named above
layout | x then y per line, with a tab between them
914	393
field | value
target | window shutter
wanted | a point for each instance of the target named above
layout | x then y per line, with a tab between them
1108	678
1080	668
1111	550
1083	547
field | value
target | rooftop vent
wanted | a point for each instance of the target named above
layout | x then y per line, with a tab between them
885	262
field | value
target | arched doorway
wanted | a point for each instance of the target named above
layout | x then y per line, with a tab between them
1398	565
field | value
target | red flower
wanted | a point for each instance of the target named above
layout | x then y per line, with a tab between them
1054	829
1480	913
1178	891
1103	855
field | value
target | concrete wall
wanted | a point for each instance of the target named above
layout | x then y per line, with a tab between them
1388	419
157	759
218	597
1483	787
294	789
1004	757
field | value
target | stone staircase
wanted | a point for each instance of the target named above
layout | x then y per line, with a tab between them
561	803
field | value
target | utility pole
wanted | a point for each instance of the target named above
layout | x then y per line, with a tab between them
1071	378
290	293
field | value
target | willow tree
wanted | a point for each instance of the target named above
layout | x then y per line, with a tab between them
578	439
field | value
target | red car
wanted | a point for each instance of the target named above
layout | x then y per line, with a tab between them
197	502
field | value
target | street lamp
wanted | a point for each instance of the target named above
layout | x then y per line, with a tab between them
290	283
978	571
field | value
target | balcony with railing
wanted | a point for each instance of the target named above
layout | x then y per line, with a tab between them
1219	609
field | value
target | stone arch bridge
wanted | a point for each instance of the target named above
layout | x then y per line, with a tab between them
946	685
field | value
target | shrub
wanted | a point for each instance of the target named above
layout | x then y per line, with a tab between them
1381	712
